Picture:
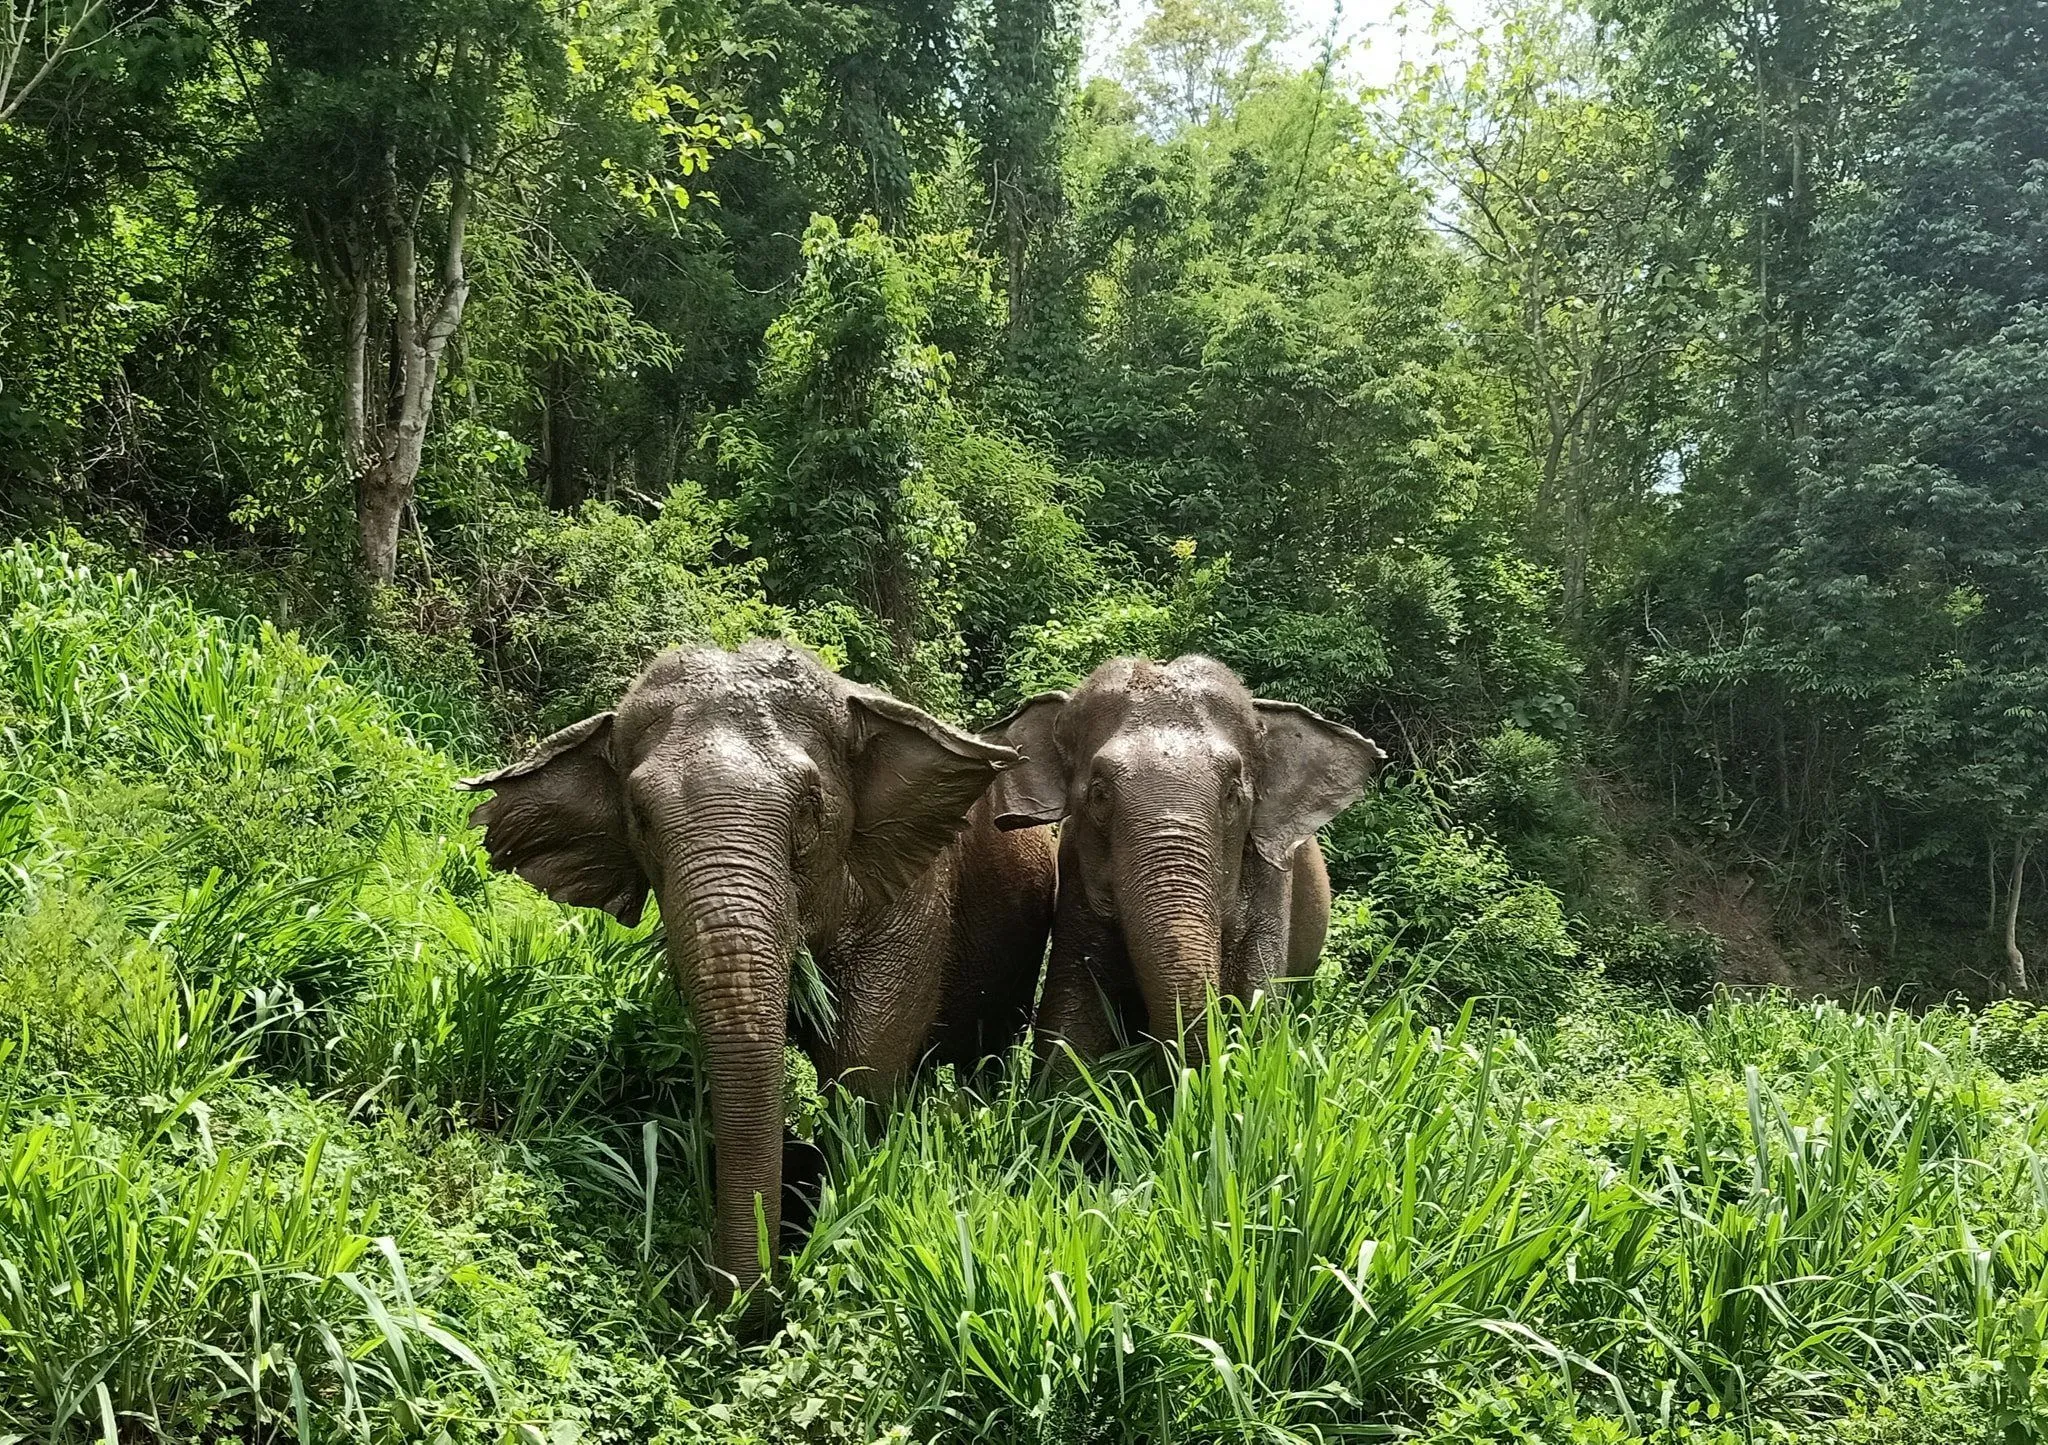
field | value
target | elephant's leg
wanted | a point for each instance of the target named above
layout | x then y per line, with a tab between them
1280	916
1089	989
1308	910
1000	926
888	979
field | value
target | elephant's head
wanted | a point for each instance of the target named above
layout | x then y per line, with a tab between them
764	801
1171	781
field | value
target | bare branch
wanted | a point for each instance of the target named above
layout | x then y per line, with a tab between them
26	19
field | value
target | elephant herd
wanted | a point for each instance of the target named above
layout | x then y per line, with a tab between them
770	804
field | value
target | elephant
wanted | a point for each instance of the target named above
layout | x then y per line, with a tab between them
1187	853
769	804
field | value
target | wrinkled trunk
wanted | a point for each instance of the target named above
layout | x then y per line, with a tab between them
1173	932
725	906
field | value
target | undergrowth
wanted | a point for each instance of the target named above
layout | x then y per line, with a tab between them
311	1127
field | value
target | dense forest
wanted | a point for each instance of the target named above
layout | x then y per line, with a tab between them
1633	415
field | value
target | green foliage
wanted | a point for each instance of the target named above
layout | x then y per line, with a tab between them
1680	965
2014	1038
568	608
1636	404
827	459
1464	922
227	1289
1521	792
397	1147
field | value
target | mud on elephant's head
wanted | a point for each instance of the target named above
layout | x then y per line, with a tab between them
1174	785
765	801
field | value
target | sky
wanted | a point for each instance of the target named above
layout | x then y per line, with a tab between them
1369	33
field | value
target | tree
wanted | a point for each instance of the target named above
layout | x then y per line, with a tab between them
37	37
1193	60
375	127
1894	600
1584	293
1023	67
828	458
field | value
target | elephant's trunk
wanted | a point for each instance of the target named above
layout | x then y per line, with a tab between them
1167	896
726	905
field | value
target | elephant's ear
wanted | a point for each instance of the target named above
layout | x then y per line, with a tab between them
914	778
557	818
1035	791
1311	770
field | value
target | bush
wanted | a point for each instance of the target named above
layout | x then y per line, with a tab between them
1464	923
202	1293
2013	1034
568	608
1522	794
1678	965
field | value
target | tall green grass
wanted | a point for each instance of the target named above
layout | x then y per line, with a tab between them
1339	1221
312	1127
155	1283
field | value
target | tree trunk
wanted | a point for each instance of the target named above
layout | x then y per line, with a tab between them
2015	961
565	484
380	507
1016	238
388	457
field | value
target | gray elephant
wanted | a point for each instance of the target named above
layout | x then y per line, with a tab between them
768	803
1187	855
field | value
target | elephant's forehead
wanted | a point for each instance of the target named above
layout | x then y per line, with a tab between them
1171	741
759	674
1194	710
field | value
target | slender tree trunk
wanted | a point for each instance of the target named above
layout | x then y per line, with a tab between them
1991	884
418	339
566	489
1016	239
2015	961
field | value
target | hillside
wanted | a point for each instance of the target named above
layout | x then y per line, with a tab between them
1608	449
314	1128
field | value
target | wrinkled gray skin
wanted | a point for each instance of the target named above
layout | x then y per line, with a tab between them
1187	855
767	803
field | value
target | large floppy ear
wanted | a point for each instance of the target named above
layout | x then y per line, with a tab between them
1311	770
914	778
557	818
1035	791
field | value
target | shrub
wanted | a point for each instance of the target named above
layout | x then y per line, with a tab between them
1521	793
1060	652
1464	923
1680	965
2013	1034
568	608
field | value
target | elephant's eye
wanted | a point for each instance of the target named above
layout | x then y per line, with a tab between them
1098	796
810	817
1237	792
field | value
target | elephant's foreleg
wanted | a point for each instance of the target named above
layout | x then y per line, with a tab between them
888	980
1090	993
1308	910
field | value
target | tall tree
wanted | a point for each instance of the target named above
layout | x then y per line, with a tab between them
1892	582
1023	69
1192	60
375	126
1585	294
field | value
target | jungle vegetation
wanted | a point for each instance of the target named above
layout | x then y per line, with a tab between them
1633	414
